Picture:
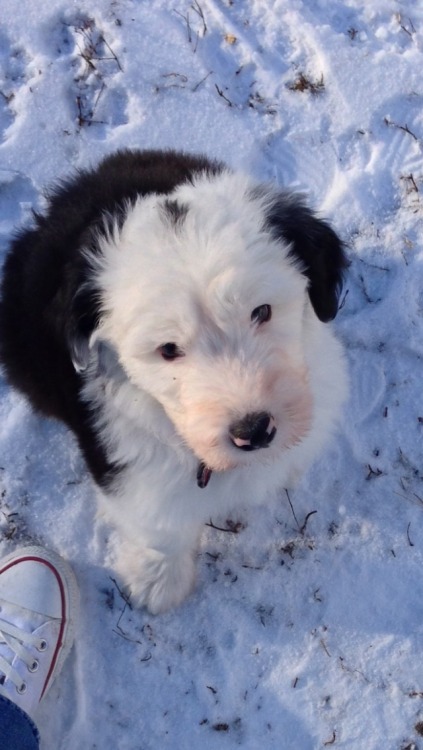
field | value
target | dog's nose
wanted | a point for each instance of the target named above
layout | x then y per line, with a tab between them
255	430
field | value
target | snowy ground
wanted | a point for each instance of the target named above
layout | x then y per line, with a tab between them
305	630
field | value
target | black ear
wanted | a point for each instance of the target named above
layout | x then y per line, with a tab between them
80	326
74	315
317	247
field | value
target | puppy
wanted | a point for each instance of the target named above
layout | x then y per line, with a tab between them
174	315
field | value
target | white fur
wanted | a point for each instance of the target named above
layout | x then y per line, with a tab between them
196	284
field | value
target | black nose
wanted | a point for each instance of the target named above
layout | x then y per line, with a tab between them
255	430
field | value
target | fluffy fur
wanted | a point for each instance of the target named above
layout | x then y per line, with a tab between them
174	315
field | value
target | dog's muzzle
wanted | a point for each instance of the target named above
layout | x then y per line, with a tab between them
255	430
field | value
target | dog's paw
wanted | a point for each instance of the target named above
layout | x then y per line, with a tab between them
155	580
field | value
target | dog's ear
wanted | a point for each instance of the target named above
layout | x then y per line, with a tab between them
80	328
316	246
73	316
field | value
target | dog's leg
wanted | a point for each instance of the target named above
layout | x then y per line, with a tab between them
156	579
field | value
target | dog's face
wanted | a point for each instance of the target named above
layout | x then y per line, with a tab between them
206	306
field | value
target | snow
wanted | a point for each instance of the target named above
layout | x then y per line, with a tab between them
305	629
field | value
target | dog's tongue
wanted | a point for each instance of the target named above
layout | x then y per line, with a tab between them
203	475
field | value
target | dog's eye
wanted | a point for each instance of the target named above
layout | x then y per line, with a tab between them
261	314
170	351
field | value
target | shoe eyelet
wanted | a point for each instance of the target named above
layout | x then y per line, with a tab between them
34	666
21	689
42	645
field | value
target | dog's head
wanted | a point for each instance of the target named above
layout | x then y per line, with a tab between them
205	297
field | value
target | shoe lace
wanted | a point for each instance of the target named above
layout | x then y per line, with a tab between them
19	641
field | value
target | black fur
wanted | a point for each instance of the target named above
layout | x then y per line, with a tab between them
47	311
175	212
316	246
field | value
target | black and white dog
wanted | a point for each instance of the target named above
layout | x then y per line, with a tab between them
174	315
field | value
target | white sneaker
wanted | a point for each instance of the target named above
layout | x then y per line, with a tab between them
38	606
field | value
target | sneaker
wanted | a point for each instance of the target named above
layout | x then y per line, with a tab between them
38	607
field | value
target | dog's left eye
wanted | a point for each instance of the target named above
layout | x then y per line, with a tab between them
261	314
170	351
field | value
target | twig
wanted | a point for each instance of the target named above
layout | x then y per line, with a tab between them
232	528
182	76
405	127
125	597
220	92
367	296
81	116
188	25
352	671
102	87
87	118
91	51
373	472
304	526
410	178
180	81
121	633
214	557
408	535
293	511
7	97
197	85
114	56
374	265
331	741
325	648
409	499
198	9
402	25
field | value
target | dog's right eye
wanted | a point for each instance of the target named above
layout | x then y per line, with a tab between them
170	351
261	314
